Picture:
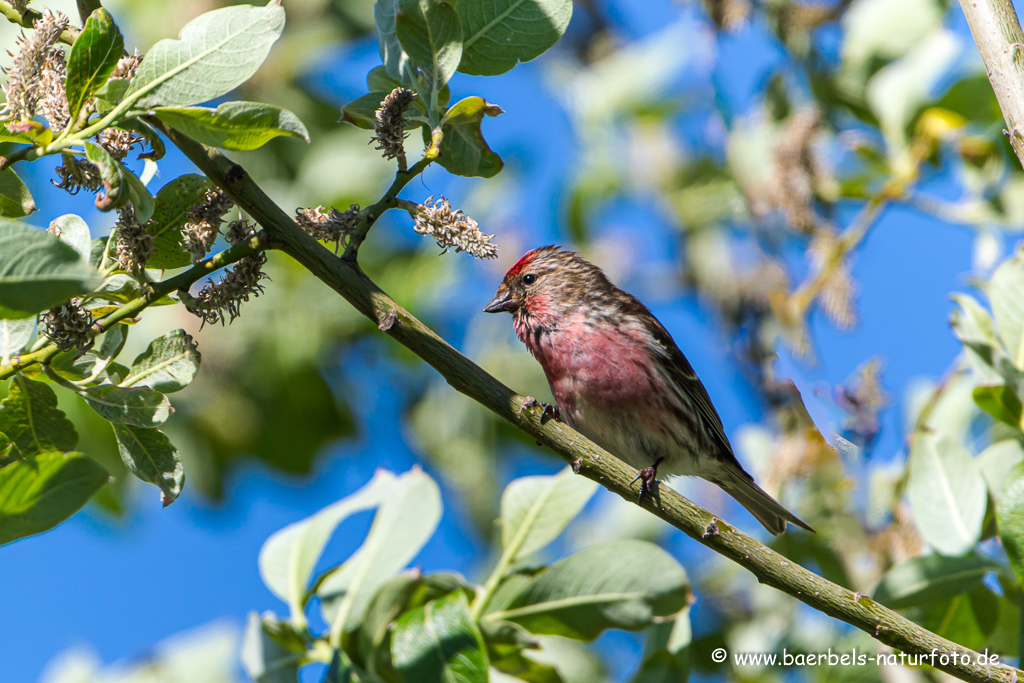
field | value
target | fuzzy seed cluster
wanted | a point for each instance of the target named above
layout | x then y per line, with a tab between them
25	77
328	225
76	174
53	100
796	172
389	128
839	289
127	67
204	221
453	229
220	302
68	326
134	242
119	142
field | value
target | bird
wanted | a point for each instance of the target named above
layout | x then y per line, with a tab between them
619	378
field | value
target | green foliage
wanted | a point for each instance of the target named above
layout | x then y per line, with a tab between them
170	213
1010	516
214	54
535	511
150	456
430	33
168	365
38	494
93	58
30	419
931	578
38	272
15	199
463	149
947	494
499	35
393	625
239	126
624	584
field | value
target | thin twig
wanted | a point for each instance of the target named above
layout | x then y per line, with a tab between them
157	291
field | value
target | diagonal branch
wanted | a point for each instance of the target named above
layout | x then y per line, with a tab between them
771	568
997	32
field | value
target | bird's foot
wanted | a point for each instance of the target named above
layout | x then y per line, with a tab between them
648	478
550	410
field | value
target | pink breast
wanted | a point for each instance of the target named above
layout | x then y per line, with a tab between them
607	368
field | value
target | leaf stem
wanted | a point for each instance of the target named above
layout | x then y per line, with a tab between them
390	198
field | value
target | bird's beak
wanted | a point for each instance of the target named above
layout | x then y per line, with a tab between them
502	302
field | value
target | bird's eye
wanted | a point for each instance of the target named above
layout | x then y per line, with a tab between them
529	279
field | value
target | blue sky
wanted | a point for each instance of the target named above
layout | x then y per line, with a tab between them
120	588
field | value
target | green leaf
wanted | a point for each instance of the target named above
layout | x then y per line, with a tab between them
288	557
169	364
622	584
214	54
899	89
150	456
439	643
38	271
947	494
928	579
385	13
92	365
507	647
997	461
1010	518
968	619
535	510
38	495
369	646
1001	402
666	657
30	418
379	80
239	126
498	34
264	658
362	111
430	33
173	203
463	149
406	519
14	336
137	406
139	196
15	199
1006	292
115	193
73	231
111	93
93	57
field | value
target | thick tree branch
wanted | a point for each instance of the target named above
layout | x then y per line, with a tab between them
771	568
1000	40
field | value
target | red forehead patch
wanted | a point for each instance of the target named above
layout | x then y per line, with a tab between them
527	258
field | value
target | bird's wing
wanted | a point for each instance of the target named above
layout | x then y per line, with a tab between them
682	376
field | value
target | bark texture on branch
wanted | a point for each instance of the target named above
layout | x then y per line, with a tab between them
589	460
1000	41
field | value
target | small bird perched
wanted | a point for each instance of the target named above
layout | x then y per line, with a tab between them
619	378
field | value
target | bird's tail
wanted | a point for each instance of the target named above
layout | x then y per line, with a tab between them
765	509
